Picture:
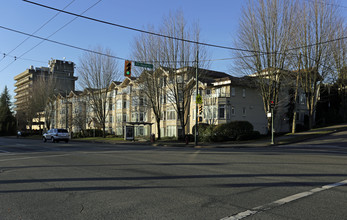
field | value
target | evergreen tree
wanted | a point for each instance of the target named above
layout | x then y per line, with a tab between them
7	120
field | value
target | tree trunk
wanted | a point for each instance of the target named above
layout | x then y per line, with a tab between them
158	128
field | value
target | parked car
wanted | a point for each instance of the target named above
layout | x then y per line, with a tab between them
56	135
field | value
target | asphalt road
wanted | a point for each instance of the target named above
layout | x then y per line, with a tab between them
102	181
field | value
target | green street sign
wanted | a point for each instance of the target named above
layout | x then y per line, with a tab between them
198	99
145	65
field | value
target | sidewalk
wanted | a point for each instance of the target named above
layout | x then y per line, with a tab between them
263	142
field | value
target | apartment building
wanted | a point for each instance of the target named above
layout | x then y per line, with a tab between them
225	99
59	71
233	99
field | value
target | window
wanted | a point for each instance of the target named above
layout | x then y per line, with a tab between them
119	117
208	91
171	114
140	131
163	99
179	79
171	131
218	92
126	90
141	101
119	104
170	97
302	98
125	104
134	117
221	111
125	117
143	116
227	110
222	91
208	112
135	101
244	93
232	91
119	130
215	112
163	117
232	110
110	119
244	111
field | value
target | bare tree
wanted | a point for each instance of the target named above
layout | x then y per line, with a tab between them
318	23
171	54
339	52
41	98
97	71
265	33
147	48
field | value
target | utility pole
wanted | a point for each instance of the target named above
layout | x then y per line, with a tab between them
296	96
272	125
197	92
66	111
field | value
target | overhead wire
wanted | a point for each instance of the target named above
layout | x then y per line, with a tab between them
174	38
134	29
17	58
8	53
46	39
140	30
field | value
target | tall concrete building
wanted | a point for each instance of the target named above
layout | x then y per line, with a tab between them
60	71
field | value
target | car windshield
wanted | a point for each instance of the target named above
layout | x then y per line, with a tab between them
62	131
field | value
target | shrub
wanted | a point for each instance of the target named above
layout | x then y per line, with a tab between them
207	134
223	132
201	127
240	127
90	133
235	130
248	136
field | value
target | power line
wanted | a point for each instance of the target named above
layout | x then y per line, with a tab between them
143	31
120	58
175	38
45	39
64	44
61	28
21	58
6	54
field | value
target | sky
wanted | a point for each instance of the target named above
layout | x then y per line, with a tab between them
218	21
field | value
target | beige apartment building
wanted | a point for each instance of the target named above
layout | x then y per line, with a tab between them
61	71
225	99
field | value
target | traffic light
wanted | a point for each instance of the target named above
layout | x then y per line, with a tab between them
127	68
200	110
272	104
199	119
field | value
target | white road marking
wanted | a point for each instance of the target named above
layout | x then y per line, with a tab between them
283	201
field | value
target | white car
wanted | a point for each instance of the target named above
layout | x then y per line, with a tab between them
56	135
